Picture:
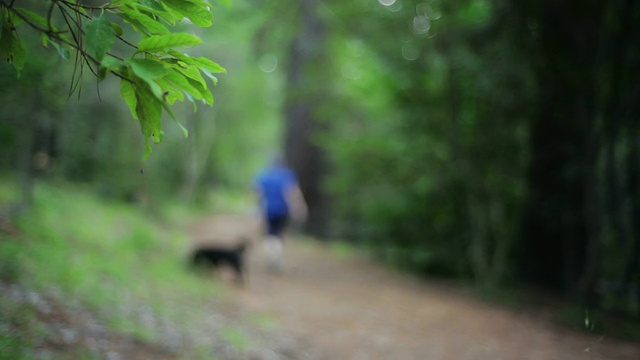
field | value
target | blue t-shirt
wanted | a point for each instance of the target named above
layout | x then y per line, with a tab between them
274	183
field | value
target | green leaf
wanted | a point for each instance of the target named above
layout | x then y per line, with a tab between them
195	80
152	5
142	21
117	29
109	64
157	9
192	73
12	49
99	37
145	108
166	106
62	51
207	97
148	70
129	95
206	66
45	39
185	132
33	17
209	65
181	82
163	42
170	92
196	11
149	110
191	91
210	76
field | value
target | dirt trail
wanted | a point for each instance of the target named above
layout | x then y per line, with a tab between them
351	308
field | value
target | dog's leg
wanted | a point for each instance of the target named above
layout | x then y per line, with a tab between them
236	264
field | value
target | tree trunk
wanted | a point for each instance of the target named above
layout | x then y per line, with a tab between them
306	89
563	194
631	264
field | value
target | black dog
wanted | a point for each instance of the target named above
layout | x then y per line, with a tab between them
213	257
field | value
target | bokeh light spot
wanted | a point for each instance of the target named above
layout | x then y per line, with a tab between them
387	2
268	63
421	24
410	52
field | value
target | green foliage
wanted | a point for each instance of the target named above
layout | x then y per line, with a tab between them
10	266
11	49
94	139
429	171
342	249
99	36
164	42
428	121
87	251
16	317
263	321
235	338
153	73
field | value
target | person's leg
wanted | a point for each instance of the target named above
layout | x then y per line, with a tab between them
273	242
273	249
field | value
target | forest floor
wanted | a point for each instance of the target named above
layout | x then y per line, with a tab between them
328	303
327	306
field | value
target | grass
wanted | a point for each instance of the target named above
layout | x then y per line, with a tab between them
235	337
262	321
122	265
598	322
16	320
343	249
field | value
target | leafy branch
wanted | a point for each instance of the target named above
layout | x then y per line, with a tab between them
153	75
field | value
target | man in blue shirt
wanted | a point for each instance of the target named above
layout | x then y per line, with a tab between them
280	199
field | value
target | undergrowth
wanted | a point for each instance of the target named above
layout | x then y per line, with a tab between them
124	266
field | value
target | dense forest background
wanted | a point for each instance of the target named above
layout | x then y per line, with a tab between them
489	140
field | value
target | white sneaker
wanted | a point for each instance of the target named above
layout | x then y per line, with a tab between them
273	250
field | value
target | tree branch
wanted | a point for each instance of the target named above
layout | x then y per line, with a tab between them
86	7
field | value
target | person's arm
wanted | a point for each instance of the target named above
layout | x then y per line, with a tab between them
297	204
258	198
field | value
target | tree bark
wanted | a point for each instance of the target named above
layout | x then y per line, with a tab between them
563	195
306	89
